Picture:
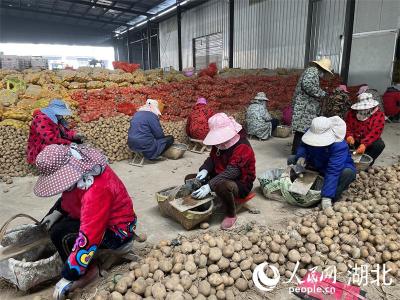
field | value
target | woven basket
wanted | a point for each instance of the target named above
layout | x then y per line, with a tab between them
188	219
176	151
364	163
282	131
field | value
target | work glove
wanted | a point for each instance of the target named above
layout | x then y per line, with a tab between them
79	138
62	288
361	149
326	202
202	192
301	162
202	175
350	140
50	219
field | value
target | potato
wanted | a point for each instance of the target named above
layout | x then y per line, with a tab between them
228	251
215	279
215	254
165	266
241	284
204	288
139	286
190	267
116	296
294	255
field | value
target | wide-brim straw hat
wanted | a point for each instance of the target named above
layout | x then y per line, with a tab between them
261	96
325	131
222	129
365	101
325	64
61	166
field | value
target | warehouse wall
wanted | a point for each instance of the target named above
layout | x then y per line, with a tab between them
376	15
208	18
270	34
327	31
169	43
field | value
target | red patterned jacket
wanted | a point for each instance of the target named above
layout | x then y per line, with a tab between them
197	122
43	132
365	132
240	156
106	205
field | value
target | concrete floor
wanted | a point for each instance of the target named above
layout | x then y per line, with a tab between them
143	183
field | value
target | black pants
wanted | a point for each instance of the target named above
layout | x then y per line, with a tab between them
274	123
170	140
64	233
374	150
296	141
346	177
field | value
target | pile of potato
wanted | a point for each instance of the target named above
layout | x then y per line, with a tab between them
110	135
361	229
13	152
177	129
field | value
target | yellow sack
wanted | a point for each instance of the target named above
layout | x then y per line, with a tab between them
14	123
17	114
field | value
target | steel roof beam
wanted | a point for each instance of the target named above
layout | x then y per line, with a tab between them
63	15
125	10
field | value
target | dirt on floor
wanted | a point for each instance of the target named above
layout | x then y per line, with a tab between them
143	183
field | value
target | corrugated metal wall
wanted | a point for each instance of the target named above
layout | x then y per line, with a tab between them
270	33
208	18
169	43
376	15
327	31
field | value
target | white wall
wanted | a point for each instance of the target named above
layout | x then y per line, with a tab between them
169	43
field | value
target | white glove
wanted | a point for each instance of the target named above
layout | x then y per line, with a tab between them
326	202
62	288
301	162
202	175
202	192
50	219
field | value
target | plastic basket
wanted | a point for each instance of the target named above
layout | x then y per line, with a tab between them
364	163
31	268
282	131
176	151
188	219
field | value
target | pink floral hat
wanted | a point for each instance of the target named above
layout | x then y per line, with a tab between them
61	166
201	100
222	129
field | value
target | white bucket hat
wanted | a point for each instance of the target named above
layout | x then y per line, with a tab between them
261	96
365	101
325	63
325	131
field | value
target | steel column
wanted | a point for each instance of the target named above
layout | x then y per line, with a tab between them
348	39
179	18
149	44
310	11
231	30
128	47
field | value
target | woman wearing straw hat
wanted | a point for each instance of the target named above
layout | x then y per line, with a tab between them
323	149
145	134
197	121
307	98
259	122
365	124
229	171
95	210
49	127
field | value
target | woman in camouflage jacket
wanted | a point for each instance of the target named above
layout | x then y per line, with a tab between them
307	98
